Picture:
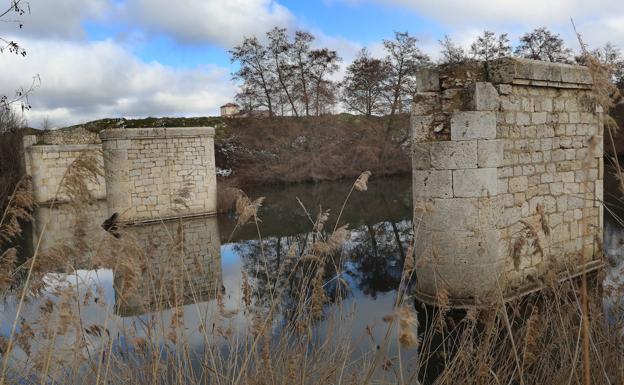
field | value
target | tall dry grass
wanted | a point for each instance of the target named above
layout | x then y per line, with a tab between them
292	335
298	332
11	153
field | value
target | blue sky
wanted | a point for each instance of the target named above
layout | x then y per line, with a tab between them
135	58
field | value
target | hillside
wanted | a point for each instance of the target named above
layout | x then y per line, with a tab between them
289	149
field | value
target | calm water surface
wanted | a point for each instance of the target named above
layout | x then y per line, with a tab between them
380	224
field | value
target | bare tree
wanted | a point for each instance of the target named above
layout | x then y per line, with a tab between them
542	44
18	8
300	53
285	76
280	48
612	57
488	46
46	124
451	52
255	72
404	58
322	63
363	85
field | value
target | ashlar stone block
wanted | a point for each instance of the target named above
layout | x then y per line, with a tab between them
441	217
425	103
470	125
490	152
481	96
421	126
421	156
449	155
427	80
479	182
432	184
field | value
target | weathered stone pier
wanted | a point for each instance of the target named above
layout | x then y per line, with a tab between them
507	177
149	173
159	173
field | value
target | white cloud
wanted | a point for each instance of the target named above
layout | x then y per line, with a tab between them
531	12
218	21
84	81
598	21
56	18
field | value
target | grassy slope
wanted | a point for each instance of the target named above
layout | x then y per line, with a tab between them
286	149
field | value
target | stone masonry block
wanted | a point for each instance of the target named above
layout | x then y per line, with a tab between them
420	127
490	152
481	96
454	155
425	103
421	156
469	125
427	80
432	184
480	182
441	216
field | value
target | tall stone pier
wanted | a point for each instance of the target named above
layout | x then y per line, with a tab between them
507	177
159	173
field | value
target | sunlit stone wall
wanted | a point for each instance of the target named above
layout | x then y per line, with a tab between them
156	173
507	176
47	158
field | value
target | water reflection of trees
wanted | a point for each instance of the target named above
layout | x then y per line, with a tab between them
368	264
377	256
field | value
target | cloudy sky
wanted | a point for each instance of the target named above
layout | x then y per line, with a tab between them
137	58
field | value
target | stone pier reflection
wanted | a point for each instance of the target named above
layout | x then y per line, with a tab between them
179	260
67	226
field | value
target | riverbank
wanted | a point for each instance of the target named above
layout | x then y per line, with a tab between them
294	149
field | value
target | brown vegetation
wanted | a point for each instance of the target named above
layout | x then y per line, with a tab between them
283	150
535	340
11	165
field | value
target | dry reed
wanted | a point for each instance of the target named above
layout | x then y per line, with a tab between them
292	335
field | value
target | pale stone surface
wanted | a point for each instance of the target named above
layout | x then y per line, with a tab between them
481	96
537	73
481	182
421	127
440	216
47	164
518	183
427	79
432	184
425	103
490	153
160	172
421	156
449	155
470	125
536	164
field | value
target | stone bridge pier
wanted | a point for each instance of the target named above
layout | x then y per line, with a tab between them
159	173
507	177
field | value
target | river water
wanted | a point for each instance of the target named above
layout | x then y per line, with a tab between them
380	223
223	253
